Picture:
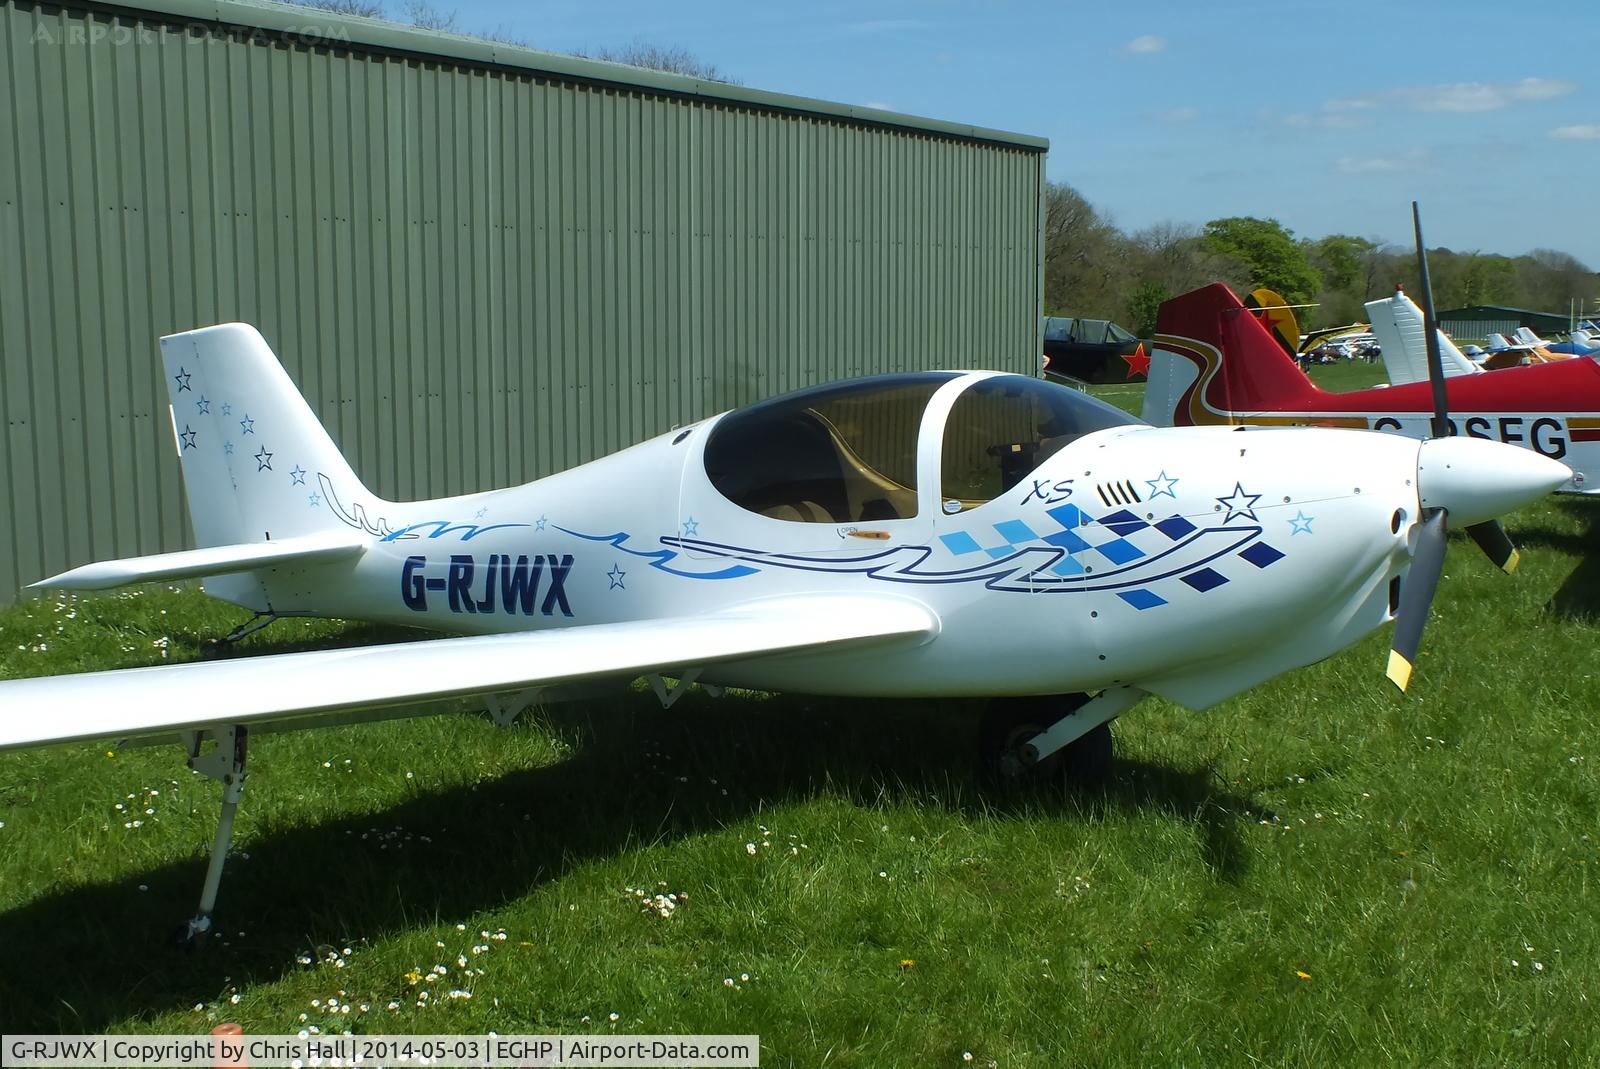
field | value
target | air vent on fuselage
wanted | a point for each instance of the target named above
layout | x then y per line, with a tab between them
1118	493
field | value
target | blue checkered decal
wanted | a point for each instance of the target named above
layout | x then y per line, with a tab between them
1094	543
1061	549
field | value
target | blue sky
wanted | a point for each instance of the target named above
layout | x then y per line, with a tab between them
1328	116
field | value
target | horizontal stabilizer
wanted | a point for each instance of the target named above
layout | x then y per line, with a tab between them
212	560
139	702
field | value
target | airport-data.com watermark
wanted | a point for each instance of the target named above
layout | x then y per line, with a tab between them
78	34
341	1052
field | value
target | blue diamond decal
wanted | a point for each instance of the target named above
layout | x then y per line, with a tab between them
1068	566
1176	527
960	542
1205	579
1066	515
1261	555
1123	522
1119	552
1068	541
1141	599
1015	531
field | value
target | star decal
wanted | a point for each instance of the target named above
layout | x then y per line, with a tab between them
538	525
315	499
1161	485
1138	362
247	425
1300	523
203	405
227	448
298	474
188	437
615	575
182	379
691	526
1239	503
263	460
227	410
481	513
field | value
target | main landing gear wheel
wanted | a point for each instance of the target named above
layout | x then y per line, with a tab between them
1008	724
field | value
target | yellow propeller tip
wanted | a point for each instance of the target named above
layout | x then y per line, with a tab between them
1399	670
1511	562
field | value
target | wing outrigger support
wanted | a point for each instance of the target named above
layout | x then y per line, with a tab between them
225	763
249	627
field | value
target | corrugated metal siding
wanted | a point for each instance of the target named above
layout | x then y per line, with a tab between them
478	275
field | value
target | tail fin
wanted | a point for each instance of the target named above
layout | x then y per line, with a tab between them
1398	325
1277	316
257	464
1214	362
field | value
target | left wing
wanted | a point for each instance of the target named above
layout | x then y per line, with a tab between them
137	702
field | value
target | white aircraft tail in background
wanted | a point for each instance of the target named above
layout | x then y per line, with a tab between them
1397	324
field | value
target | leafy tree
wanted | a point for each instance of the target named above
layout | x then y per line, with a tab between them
1550	279
1144	304
1085	260
1342	261
1269	251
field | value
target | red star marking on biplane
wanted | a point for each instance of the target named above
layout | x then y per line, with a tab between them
1138	361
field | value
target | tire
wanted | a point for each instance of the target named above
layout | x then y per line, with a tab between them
1010	722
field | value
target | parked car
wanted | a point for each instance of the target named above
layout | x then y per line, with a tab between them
1091	350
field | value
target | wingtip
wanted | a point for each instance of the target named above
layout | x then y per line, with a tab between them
1399	672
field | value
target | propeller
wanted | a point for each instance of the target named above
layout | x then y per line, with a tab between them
1478	480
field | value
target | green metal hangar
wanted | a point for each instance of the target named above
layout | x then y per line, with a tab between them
481	263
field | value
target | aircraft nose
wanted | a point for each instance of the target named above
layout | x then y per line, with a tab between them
1476	480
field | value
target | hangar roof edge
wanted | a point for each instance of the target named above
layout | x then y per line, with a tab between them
315	26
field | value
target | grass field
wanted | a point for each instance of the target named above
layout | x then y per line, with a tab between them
1322	871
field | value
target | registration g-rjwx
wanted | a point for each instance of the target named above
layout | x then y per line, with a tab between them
930	534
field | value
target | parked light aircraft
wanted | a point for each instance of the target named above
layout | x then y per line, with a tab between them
1211	365
1579	343
927	534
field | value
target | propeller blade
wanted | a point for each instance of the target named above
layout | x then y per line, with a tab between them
1496	545
1416	597
1490	536
1430	330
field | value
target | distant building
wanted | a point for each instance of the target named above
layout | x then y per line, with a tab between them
1482	320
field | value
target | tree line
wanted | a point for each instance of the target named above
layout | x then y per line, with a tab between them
1095	270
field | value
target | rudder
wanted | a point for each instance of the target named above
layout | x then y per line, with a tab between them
257	464
1215	363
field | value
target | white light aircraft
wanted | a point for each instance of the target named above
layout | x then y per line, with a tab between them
927	534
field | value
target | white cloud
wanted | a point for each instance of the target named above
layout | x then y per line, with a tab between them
1414	160
1582	132
1463	97
1177	115
1146	45
879	104
1336	121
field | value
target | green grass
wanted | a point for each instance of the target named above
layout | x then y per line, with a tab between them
1425	861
